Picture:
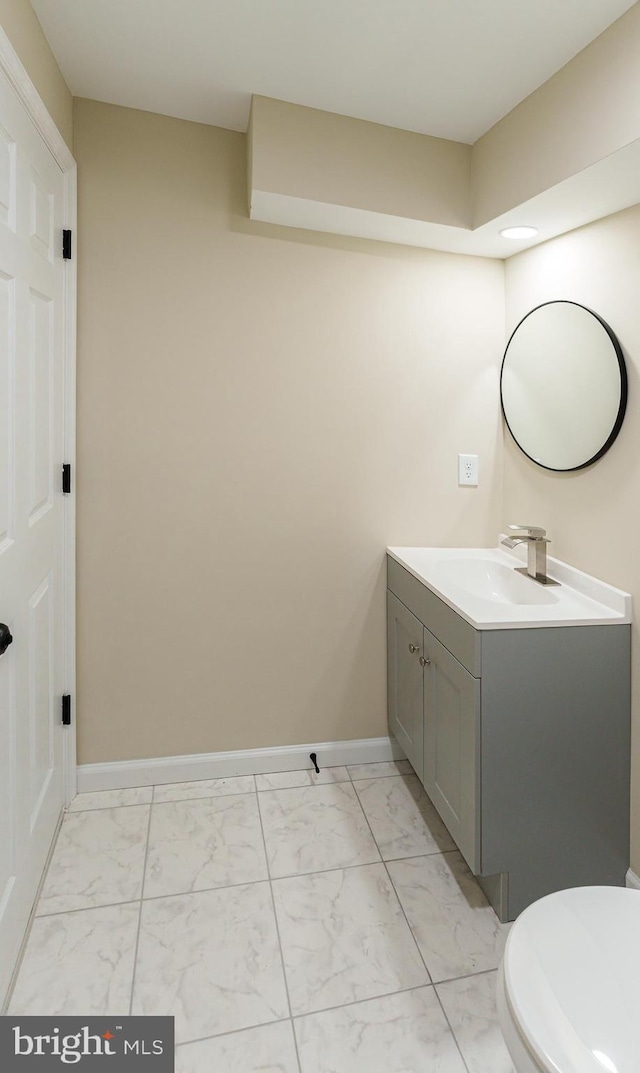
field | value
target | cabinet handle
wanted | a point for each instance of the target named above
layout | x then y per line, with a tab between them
413	649
425	662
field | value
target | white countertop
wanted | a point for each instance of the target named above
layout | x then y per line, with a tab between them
481	585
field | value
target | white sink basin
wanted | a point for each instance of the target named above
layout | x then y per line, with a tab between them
482	585
491	580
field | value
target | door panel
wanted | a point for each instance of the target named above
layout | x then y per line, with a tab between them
41	694
404	648
41	220
31	514
7	379
7	788
41	418
7	179
452	746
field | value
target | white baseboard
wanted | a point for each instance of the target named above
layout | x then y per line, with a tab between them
633	880
121	774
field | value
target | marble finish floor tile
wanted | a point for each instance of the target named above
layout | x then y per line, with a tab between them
284	780
137	795
314	828
98	859
344	938
212	960
186	791
402	818
380	771
211	842
79	963
456	929
470	1005
269	1049
405	1033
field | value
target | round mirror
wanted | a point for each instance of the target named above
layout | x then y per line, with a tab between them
563	386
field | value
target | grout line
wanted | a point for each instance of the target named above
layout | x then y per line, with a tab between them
417	946
160	785
144	876
361	1001
465	976
411	931
107	808
104	808
226	886
455	1038
152	898
364	864
204	890
153	801
275	917
306	786
237	793
322	871
203	797
236	1032
315	1013
417	856
381	778
330	1009
393	888
388	994
85	909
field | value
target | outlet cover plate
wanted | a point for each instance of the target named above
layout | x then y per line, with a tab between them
468	470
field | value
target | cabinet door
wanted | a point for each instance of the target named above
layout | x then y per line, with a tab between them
404	648
452	746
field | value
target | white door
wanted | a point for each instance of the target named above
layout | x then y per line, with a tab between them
32	514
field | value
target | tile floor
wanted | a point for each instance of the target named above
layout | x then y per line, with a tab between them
291	923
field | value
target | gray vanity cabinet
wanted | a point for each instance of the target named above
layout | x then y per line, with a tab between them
405	687
451	754
521	738
434	712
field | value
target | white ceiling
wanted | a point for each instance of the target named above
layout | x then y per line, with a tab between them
449	68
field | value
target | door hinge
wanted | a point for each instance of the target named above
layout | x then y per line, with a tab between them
66	710
66	245
66	478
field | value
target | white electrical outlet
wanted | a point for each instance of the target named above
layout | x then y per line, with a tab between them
468	469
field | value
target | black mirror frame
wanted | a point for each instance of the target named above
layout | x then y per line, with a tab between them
624	389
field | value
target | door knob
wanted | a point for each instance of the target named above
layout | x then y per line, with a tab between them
5	638
424	662
413	649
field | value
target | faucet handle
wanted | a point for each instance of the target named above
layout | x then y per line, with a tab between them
532	531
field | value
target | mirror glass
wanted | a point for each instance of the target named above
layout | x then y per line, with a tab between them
563	386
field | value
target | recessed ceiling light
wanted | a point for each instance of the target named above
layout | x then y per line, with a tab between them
519	232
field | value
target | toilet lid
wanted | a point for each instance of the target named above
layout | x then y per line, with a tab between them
572	980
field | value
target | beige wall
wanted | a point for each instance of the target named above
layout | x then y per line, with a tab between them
592	515
566	152
319	156
19	22
581	115
261	411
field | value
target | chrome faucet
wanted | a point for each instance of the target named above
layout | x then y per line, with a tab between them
536	540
